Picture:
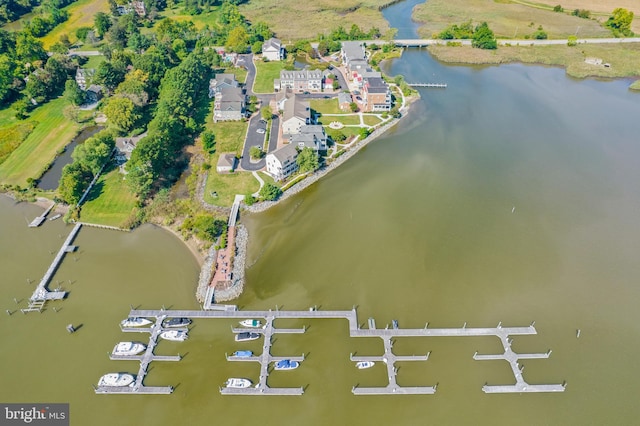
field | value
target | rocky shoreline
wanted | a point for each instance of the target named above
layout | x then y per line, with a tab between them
235	289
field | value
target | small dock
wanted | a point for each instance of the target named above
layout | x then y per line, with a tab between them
145	359
38	220
431	85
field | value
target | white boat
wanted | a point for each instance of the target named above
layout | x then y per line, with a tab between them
252	323
364	364
237	383
176	322
55	216
243	354
129	348
135	322
116	379
243	337
286	364
175	335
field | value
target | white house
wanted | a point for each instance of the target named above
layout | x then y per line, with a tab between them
299	80
281	163
272	49
310	136
296	114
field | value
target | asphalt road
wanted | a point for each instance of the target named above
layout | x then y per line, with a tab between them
253	139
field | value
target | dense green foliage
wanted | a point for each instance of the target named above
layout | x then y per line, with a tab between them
581	13
270	192
484	38
307	160
620	22
256	152
47	12
457	32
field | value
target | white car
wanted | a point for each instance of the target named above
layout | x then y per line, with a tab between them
261	131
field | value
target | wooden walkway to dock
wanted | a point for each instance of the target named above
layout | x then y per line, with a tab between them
387	335
38	220
432	85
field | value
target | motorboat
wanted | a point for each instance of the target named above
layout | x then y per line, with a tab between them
55	216
176	322
174	335
244	337
243	354
237	383
252	323
128	348
116	380
286	364
361	365
135	322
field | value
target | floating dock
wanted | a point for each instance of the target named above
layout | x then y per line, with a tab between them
387	335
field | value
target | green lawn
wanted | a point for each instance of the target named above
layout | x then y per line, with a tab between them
94	61
12	136
345	119
370	120
110	202
227	185
81	13
200	21
326	106
240	73
229	135
52	132
266	73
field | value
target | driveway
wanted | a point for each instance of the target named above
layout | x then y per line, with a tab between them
253	139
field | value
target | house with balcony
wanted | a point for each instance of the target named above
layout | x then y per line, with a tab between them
229	104
281	163
310	136
273	50
376	95
299	81
296	113
220	81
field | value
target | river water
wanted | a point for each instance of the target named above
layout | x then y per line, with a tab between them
510	196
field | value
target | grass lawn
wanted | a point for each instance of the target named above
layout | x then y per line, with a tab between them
624	59
110	202
227	185
12	136
94	61
350	131
200	21
345	119
370	120
293	19
507	20
51	133
229	135
598	7
240	73
266	73
326	106
81	13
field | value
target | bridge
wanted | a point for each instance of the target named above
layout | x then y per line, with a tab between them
424	42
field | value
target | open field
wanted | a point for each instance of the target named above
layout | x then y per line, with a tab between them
624	59
603	8
507	20
51	133
110	202
229	135
326	106
345	119
266	72
200	21
293	19
12	136
81	14
226	186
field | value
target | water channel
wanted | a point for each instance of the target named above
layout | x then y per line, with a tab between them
510	196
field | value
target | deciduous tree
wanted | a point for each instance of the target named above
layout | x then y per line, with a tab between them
307	160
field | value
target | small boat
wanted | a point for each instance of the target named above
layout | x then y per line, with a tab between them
243	337
243	354
176	322
55	216
135	322
174	335
237	383
286	364
128	348
116	379
252	323
361	365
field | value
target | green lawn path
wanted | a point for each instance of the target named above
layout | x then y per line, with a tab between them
110	202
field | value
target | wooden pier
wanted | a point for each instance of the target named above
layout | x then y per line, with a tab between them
387	335
38	220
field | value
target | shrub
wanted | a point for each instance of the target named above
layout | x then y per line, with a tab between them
572	40
558	8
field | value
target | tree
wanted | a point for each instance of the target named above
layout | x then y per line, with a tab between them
28	49
558	8
255	152
73	182
484	38
121	112
266	113
133	87
540	34
82	32
335	84
270	192
208	141
256	47
364	133
7	69
353	107
102	22
307	160
94	152
237	40
337	136
620	22
71	113
73	93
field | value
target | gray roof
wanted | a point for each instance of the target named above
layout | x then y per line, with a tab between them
231	94
313	129
376	85
295	107
344	97
287	152
300	75
226	160
273	43
368	73
306	140
85	72
353	50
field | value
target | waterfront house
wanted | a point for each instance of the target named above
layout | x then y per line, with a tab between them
281	163
220	81
376	95
352	51
310	136
125	146
296	114
299	80
229	104
273	50
226	163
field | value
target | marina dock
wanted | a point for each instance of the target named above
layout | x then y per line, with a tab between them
387	335
38	220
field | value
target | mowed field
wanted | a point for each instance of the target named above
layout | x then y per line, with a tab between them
110	202
507	20
600	7
52	132
294	19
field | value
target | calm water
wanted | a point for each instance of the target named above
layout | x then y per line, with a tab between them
418	227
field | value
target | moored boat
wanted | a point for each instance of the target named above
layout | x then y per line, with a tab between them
237	383
252	323
128	348
116	379
135	322
364	364
243	337
243	354
286	364
174	335
55	216
176	322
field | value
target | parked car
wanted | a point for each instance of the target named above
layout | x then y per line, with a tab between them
261	131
